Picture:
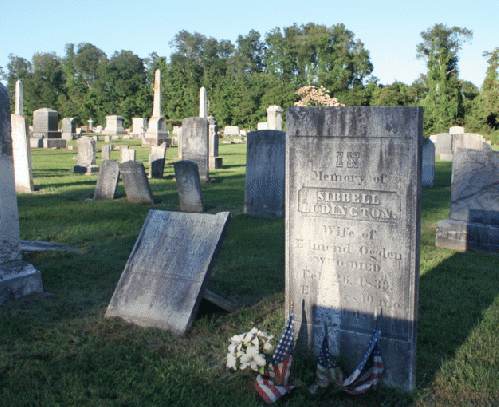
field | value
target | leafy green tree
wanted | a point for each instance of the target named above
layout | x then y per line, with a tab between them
443	101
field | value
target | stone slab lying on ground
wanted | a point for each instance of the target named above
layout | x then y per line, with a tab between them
41	246
165	276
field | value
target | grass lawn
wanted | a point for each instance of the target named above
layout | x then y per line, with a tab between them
57	349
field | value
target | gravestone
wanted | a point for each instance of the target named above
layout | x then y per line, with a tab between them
90	125
203	103
265	173
231	131
139	126
156	133
135	181
274	118
114	125
157	161
473	222
215	162
45	123
353	190
21	149
194	146
165	276
261	126
68	128
188	186
17	278
428	163
54	143
86	157
106	151
98	129
108	180
127	154
457	130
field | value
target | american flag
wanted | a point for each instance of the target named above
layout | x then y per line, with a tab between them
370	369
272	385
328	370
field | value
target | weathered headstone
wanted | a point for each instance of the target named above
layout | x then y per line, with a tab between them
135	181
194	145
473	222
157	161
45	123
106	151
114	125
265	173
231	131
274	118
17	278
457	130
68	128
188	186
108	180
166	274
127	154
203	103
428	163
139	126
353	191
19	99
54	143
98	129
86	157
156	133
215	162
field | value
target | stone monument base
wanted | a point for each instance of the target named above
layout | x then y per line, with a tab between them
156	140
216	163
19	279
463	236
87	170
54	142
35	142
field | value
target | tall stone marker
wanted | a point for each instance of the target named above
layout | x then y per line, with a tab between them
428	166
203	103
68	128
17	278
135	181
265	173
353	178
107	182
19	101
473	222
189	186
194	147
165	276
156	133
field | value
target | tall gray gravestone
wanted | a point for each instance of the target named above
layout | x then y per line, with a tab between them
135	181
46	123
68	128
17	278
106	151
265	173
156	133
428	163
107	182
188	186
194	147
166	274
473	222
157	161
353	186
215	162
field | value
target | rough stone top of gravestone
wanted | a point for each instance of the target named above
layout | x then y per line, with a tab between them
165	276
45	110
457	130
475	186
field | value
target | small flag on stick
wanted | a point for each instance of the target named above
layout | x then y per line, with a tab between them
272	385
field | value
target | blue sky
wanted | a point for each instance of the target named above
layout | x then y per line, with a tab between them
390	30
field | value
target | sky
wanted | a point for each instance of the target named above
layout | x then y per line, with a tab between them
390	30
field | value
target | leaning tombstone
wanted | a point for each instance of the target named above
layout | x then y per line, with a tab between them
17	278
265	173
473	222
194	147
166	274
157	161
86	157
428	163
135	181
108	180
353	187
188	186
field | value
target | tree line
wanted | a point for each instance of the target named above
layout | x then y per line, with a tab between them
244	78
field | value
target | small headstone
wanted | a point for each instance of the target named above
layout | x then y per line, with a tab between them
54	143
139	126
352	231
106	151
428	163
17	278
68	128
108	180
21	150
265	173
107	139
274	118
127	154
157	161
45	123
166	274
90	125
215	162
86	157
457	130
473	222
189	186
135	181
99	129
231	131
194	146
114	125
261	126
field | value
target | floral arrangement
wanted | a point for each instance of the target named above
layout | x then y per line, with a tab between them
250	349
313	96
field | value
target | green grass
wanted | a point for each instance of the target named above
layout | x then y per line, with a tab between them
58	350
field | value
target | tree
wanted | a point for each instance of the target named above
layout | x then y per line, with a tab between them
439	49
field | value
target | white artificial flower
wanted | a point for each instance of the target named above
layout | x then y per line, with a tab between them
268	348
245	361
231	361
257	361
